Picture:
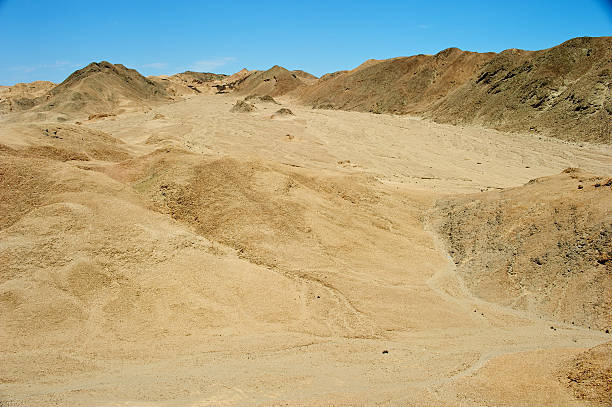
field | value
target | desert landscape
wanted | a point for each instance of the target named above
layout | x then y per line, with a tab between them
432	230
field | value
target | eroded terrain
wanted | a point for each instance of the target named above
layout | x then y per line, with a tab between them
190	255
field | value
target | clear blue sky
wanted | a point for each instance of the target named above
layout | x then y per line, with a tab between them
47	40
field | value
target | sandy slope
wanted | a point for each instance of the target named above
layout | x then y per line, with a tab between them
216	258
22	95
545	246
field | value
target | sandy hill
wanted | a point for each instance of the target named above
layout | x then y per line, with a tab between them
563	91
545	247
188	82
273	82
102	88
241	74
22	96
231	82
398	85
305	76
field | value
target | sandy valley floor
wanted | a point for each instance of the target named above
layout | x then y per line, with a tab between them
208	258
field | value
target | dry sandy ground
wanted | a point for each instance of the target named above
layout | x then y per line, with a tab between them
240	259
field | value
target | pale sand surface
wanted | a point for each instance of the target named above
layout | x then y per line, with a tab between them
288	301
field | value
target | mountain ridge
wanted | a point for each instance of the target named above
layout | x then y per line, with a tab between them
562	91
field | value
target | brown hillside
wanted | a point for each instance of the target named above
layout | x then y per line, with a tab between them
305	76
22	96
102	88
274	82
564	90
589	375
188	82
233	81
399	85
545	247
241	74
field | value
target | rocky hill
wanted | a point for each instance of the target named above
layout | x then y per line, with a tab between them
563	91
545	247
102	87
398	85
188	82
275	81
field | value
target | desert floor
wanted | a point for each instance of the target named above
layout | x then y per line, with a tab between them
252	259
